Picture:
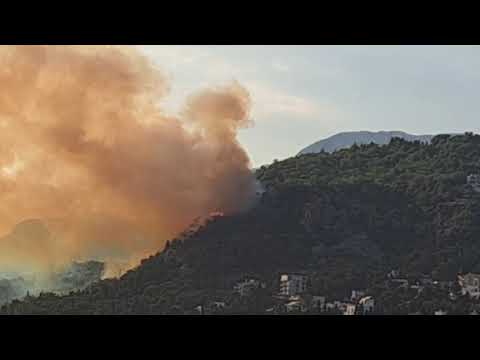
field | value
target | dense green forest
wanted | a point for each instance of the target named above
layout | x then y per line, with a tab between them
346	218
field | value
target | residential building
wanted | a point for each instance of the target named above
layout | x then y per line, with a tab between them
367	304
244	288
330	306
335	306
357	294
350	309
470	284
296	304
293	284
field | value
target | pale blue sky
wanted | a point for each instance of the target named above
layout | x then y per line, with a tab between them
304	93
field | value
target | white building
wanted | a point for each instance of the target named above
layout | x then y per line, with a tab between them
474	181
244	288
295	305
470	284
440	312
357	294
330	306
350	309
293	284
367	304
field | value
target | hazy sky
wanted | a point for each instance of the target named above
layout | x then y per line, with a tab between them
304	93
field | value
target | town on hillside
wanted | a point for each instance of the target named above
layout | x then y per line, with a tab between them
295	297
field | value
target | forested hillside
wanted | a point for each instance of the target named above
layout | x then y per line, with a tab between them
345	218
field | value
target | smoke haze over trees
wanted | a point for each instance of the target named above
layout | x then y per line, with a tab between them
86	148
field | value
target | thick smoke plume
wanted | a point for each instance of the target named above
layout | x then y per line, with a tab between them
86	148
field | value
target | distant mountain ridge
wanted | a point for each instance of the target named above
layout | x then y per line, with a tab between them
346	139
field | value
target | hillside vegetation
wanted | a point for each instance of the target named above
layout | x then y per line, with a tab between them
346	218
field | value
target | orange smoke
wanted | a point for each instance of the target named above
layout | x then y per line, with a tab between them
216	214
86	148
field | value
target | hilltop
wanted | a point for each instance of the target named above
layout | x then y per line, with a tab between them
346	139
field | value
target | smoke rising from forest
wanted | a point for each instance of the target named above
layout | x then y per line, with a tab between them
86	148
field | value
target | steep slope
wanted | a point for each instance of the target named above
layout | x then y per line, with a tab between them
345	218
77	275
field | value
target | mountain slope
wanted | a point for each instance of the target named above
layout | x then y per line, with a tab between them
345	218
347	139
